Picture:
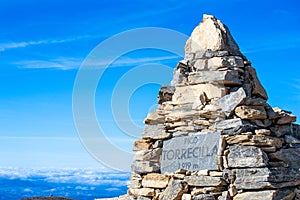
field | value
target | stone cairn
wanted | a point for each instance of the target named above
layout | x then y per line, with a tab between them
213	135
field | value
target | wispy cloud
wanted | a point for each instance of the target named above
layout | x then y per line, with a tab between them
15	45
38	138
74	63
58	63
127	62
279	42
95	177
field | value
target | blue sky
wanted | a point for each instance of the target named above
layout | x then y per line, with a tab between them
43	43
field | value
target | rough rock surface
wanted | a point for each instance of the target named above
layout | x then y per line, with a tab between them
256	153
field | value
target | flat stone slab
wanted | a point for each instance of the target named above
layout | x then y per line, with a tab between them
190	152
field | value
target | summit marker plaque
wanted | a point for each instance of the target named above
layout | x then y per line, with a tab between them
190	152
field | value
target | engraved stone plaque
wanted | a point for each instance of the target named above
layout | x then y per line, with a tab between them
192	153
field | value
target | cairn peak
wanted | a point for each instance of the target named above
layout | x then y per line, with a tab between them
213	135
211	35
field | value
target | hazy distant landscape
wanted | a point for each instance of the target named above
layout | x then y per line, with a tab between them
72	183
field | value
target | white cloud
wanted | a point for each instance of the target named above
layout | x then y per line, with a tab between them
38	138
75	63
15	45
92	177
59	63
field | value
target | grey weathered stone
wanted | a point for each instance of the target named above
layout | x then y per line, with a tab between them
229	102
200	64
153	155
256	102
165	94
179	76
190	153
229	123
296	130
246	156
157	132
174	191
143	167
280	130
204	181
230	77
154	118
282	194
204	197
230	62
211	54
289	156
262	178
234	126
291	140
257	88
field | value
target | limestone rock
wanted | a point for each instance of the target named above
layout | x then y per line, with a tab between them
234	126
255	140
262	132
154	118
203	181
186	197
140	145
266	195
285	117
204	197
155	181
262	178
142	167
148	192
149	155
157	132
246	156
230	77
256	195
174	191
229	102
211	35
251	112
230	62
189	94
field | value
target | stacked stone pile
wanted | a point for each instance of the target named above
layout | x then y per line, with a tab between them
213	135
